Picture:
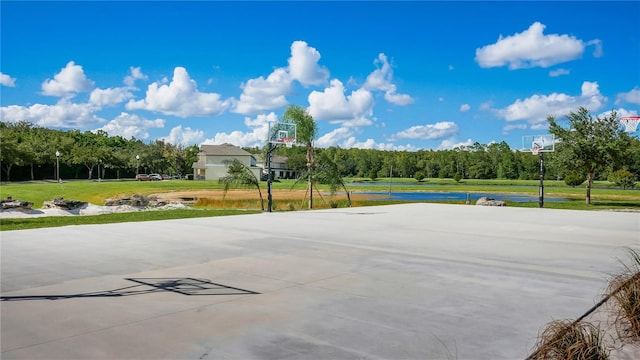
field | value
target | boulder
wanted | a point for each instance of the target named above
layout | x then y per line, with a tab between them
136	200
61	203
487	201
9	204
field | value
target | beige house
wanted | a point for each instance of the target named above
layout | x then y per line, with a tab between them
210	164
279	168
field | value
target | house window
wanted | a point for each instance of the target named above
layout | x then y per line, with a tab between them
281	174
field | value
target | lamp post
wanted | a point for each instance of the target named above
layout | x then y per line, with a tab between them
138	164
58	165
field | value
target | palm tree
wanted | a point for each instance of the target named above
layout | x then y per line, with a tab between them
306	132
325	171
328	173
240	174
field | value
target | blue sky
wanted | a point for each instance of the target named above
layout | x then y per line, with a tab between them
383	75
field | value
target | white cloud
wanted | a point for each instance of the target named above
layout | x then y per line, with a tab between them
180	98
485	106
451	144
398	99
531	48
631	97
540	126
303	65
6	80
186	136
331	104
381	79
334	137
559	72
64	114
537	108
507	128
394	147
621	112
597	47
465	107
109	97
134	74
131	126
262	94
438	130
343	137
256	137
68	82
351	142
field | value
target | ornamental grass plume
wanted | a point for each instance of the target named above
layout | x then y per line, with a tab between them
570	340
624	290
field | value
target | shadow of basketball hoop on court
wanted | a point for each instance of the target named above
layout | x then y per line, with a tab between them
182	286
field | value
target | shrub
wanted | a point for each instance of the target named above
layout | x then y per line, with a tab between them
623	178
457	177
574	179
570	340
419	175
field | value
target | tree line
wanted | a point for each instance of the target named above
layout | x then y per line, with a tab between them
28	152
476	161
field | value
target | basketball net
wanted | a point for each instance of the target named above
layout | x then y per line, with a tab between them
288	141
630	123
535	150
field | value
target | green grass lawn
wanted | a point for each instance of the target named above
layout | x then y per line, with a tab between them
97	192
604	196
55	221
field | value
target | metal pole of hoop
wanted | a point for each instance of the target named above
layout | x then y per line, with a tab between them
270	148
535	150
541	193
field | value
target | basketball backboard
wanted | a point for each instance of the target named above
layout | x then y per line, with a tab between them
539	143
281	133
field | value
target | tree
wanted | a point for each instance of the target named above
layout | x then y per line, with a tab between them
240	174
589	145
623	178
328	173
574	178
12	148
306	132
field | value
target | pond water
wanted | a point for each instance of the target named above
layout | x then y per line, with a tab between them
454	196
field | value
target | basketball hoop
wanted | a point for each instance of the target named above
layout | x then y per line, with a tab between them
288	141
535	150
630	123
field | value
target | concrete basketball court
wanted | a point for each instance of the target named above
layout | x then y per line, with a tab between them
416	281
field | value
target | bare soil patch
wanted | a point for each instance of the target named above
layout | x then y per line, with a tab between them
193	195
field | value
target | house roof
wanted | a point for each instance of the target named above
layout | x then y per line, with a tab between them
224	149
279	159
199	165
274	159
